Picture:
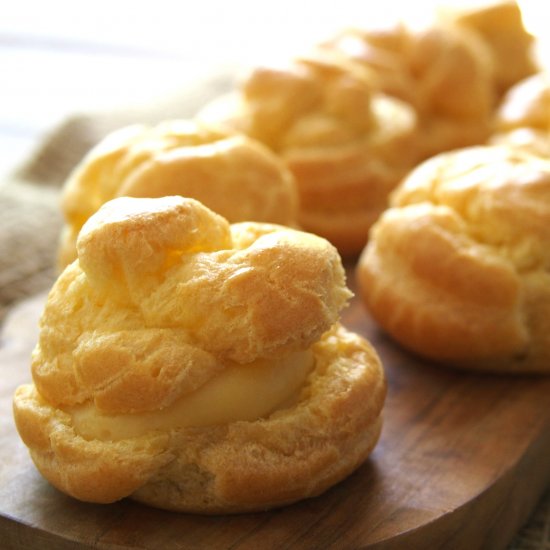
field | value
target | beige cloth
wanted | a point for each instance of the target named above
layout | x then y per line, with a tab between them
31	220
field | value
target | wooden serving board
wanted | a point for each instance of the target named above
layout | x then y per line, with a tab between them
461	463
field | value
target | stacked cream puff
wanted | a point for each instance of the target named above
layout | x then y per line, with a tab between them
198	366
499	23
457	270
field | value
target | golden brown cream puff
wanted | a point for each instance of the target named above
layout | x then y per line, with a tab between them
441	69
198	366
458	269
346	144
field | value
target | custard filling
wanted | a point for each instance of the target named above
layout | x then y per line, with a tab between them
239	392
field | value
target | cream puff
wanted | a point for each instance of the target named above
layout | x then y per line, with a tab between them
444	71
235	176
347	144
458	269
198	366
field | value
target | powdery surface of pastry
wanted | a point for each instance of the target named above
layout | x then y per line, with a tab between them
165	300
458	269
347	144
233	175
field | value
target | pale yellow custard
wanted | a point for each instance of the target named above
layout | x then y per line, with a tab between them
239	392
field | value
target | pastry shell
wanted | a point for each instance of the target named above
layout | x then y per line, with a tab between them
165	295
295	453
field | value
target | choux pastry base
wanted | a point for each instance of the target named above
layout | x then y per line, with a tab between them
166	305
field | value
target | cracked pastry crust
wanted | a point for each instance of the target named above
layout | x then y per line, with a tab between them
233	175
165	300
458	269
346	144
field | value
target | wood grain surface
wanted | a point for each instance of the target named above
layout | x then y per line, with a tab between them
462	461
